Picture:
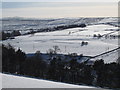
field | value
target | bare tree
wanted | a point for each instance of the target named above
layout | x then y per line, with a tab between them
56	49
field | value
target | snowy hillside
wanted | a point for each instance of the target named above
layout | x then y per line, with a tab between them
97	39
108	57
68	40
11	81
26	24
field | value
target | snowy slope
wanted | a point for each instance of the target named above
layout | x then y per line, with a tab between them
106	20
68	40
109	57
11	81
25	24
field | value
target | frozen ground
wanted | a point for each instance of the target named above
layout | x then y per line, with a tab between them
11	81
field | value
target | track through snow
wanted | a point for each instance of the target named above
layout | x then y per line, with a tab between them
12	81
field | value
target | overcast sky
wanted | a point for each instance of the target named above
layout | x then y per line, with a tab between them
60	0
59	9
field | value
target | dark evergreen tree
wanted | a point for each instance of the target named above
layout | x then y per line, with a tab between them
8	59
20	58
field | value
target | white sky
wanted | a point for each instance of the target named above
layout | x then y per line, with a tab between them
60	9
60	0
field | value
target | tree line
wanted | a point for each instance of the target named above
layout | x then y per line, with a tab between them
12	34
58	69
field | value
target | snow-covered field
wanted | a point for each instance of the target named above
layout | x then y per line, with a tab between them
69	40
11	81
109	57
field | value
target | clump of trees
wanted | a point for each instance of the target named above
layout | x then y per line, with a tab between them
58	69
54	50
70	26
84	43
12	60
97	35
10	35
108	75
